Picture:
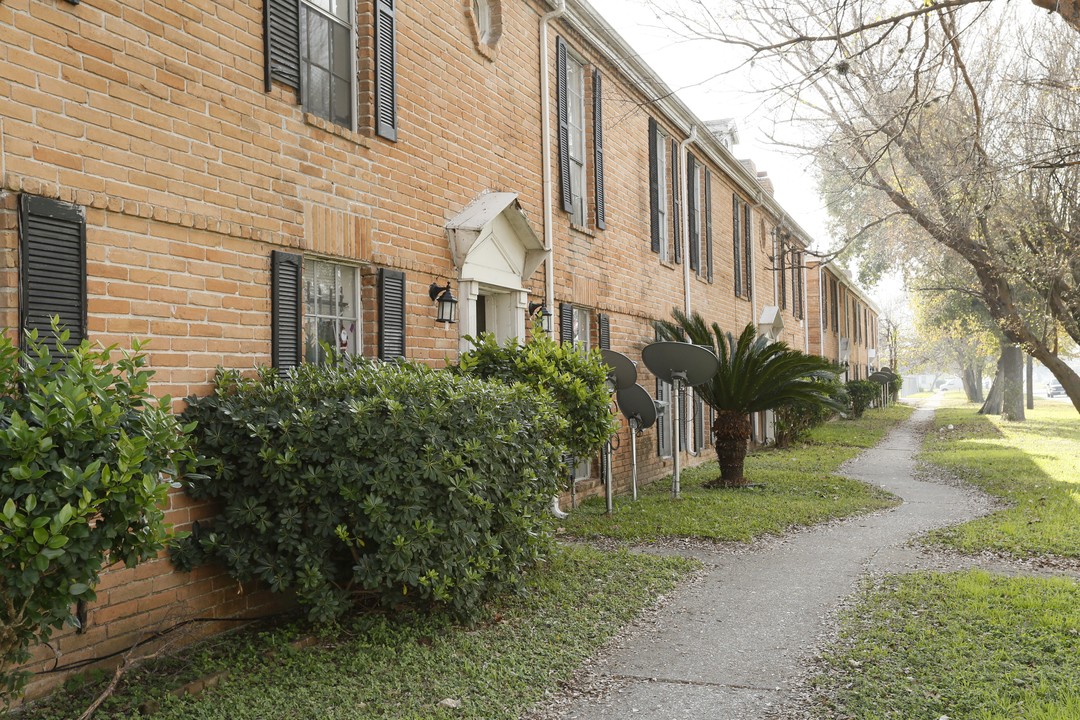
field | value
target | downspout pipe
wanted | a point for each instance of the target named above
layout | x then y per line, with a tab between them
684	220
549	192
545	159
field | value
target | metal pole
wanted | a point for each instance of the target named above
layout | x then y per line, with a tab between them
607	475
633	455
676	382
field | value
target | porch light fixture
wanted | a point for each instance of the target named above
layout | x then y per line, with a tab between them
545	315
446	300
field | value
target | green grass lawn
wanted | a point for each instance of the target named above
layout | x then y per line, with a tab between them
967	646
1033	465
799	487
375	666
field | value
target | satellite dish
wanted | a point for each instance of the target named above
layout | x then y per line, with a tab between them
691	364
680	364
638	406
624	369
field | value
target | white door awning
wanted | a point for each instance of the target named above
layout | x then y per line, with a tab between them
492	242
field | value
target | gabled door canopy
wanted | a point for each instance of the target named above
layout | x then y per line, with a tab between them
492	242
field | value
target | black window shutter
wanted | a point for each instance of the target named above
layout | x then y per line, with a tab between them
682	422
699	422
53	250
794	283
737	244
281	42
783	275
748	249
385	69
661	420
286	280
562	106
566	322
708	226
654	185
604	330
598	149
692	213
391	314
676	205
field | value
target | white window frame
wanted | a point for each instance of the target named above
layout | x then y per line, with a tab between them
661	194
308	7
576	139
355	329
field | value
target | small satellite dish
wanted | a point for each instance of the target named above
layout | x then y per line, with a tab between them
624	369
692	364
638	406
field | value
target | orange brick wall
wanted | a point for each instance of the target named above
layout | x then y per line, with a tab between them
153	117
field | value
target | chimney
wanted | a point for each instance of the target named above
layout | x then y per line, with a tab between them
765	182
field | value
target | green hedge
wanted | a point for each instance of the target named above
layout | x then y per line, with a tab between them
575	380
795	420
862	393
360	478
83	450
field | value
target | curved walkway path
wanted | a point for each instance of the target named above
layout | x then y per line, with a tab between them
733	645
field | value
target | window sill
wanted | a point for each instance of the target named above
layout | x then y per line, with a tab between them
668	264
327	126
582	229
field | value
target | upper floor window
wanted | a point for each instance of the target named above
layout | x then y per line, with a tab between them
310	46
571	107
575	98
658	173
327	54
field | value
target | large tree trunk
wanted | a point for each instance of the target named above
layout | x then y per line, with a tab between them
1012	404
992	405
972	384
731	433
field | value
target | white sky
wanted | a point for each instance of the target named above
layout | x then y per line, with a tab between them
689	67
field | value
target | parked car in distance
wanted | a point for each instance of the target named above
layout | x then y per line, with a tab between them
954	384
1053	388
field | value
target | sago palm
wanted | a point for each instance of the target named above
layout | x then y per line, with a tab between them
754	374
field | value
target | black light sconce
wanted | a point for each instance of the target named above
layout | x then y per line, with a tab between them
545	315
447	302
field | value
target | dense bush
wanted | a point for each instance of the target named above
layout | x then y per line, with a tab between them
862	394
576	381
359	479
796	419
83	446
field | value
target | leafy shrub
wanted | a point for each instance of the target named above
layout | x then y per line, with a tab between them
576	381
83	446
796	419
364	479
862	393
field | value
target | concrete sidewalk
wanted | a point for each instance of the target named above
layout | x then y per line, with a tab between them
732	646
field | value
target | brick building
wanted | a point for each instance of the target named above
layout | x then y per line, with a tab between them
236	183
843	322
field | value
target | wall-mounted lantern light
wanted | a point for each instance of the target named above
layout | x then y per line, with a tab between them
545	315
446	300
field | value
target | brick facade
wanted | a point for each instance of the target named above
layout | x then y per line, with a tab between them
154	118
